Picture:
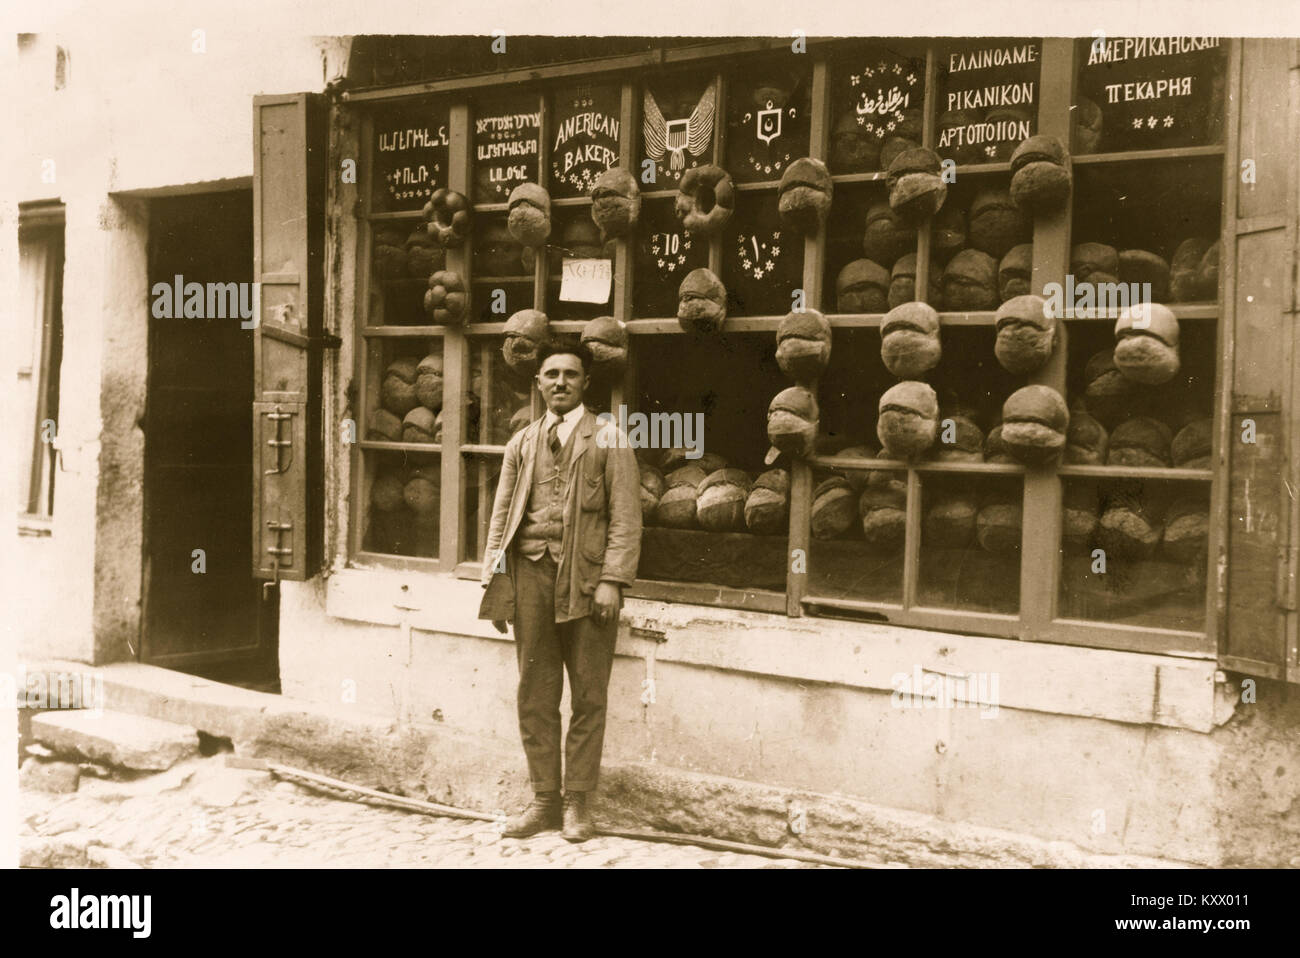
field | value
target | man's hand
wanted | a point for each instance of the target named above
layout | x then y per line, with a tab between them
499	625
606	601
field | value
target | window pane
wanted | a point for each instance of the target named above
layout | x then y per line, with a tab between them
769	107
877	96
402	257
480	485
508	406
506	144
1149	93
970	543
401	491
715	404
762	263
664	254
410	155
502	271
988	98
1135	552
678	120
575	236
586	137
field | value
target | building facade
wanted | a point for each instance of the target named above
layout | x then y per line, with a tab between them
1098	649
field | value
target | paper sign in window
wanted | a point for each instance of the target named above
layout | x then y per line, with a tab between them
585	280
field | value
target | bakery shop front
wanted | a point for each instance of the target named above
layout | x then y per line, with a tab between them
979	356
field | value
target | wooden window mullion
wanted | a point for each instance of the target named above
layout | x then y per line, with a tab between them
360	345
455	358
1040	551
624	279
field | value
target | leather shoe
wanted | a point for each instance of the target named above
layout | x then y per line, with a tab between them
577	819
542	814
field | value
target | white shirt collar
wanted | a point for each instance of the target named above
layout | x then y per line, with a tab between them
570	418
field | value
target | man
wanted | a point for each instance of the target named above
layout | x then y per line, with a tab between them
565	538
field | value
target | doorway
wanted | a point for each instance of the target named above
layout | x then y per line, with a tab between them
204	613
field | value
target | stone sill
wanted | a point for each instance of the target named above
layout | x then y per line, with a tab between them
1132	687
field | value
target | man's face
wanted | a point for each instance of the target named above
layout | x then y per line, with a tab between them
562	382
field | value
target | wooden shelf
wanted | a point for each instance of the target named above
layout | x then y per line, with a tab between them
858	464
397	332
1139	156
1136	472
396	215
380	445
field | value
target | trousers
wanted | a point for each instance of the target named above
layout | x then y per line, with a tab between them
545	650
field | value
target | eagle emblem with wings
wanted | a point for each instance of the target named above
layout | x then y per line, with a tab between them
692	134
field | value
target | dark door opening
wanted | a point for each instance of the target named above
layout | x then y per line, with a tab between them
204	613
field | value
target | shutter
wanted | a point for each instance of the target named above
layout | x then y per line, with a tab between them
289	148
1258	297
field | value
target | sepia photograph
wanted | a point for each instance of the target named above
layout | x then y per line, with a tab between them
612	447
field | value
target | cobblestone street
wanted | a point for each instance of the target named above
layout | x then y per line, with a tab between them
202	814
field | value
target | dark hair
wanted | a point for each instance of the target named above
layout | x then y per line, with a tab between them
575	349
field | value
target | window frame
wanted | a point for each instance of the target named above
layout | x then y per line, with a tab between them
44	223
1037	619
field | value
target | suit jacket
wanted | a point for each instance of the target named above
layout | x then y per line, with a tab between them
601	541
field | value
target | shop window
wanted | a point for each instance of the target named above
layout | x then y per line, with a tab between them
769	106
988	94
664	254
762	261
507	144
678	125
586	133
40	256
877	104
410	157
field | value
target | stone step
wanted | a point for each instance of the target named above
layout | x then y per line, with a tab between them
120	739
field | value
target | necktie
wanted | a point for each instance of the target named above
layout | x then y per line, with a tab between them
553	438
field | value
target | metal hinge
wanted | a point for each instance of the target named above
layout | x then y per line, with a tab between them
1286	577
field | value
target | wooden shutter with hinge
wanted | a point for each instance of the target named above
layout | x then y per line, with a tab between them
289	146
1257	292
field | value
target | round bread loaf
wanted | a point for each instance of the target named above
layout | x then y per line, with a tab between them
852	148
449	216
1094	263
995	450
1026	334
1034	422
389	254
1140	441
525	333
804	195
996	224
803	345
701	302
418	426
857	477
1111	396
520	419
1085	126
1086	441
1129	527
902	283
863	287
1184	269
383	426
606	337
834	508
495	251
909	340
615	202
1148	271
720	500
397	392
961	149
1015	271
386	491
678	456
970	282
949	521
1192	446
1207	273
677	504
792	422
947	234
428	381
960	439
1187	531
1040	174
652	490
767	509
916	189
886	236
423	256
908	419
998	526
445	300
1146	343
882	507
1079	510
895	145
422	489
530	214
